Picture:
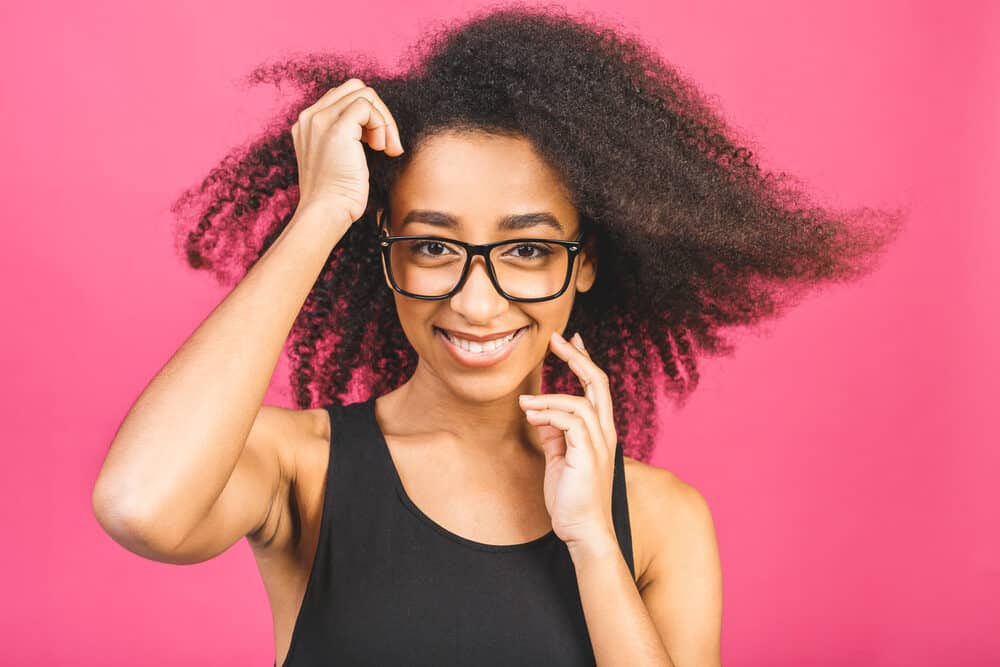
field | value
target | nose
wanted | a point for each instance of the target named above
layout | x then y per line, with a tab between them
478	300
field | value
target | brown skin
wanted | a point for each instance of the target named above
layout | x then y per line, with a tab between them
193	467
457	432
453	432
474	411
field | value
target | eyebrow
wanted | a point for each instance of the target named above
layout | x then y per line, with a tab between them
513	221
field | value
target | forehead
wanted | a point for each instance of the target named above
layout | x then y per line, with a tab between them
461	180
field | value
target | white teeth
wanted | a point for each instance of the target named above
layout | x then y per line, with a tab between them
480	348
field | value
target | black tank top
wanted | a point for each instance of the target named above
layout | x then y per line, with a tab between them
389	586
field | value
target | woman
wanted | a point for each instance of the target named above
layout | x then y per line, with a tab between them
556	177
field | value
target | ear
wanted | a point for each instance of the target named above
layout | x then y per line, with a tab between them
586	274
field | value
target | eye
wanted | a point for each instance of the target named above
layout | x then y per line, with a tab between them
418	247
534	251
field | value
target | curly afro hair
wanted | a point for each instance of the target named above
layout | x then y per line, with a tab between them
693	236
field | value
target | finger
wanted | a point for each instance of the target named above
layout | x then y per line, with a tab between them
358	109
576	434
595	382
573	405
335	93
552	441
572	356
385	128
391	126
328	98
391	129
377	126
578	342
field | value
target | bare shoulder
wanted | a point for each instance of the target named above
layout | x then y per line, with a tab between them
681	574
304	429
285	431
309	453
664	510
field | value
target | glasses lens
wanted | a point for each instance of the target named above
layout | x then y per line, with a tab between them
525	270
530	270
425	267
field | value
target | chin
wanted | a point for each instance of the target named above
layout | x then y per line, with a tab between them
497	387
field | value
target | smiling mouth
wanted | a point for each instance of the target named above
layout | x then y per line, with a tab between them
486	349
475	351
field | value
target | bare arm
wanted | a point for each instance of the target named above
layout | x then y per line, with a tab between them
197	463
673	615
183	438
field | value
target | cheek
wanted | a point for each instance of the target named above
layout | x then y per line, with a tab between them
546	318
415	319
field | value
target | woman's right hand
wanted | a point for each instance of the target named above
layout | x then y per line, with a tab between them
333	172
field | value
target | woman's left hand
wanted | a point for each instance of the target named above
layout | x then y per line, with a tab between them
579	440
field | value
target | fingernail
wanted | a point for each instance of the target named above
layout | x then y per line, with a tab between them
577	338
558	336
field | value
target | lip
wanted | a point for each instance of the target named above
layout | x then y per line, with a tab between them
474	360
480	339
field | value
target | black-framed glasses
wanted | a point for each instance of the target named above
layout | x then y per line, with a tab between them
435	267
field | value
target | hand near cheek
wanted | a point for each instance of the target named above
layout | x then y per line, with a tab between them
578	437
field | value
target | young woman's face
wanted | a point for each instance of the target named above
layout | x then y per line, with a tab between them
477	180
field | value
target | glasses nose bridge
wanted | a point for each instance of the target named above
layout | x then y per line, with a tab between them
483	250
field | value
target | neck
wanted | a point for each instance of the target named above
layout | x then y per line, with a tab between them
486	426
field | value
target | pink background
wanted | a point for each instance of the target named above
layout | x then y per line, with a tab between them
846	453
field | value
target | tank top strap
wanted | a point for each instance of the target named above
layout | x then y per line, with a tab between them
358	482
357	494
619	509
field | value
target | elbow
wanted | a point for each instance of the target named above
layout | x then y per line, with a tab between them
129	523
